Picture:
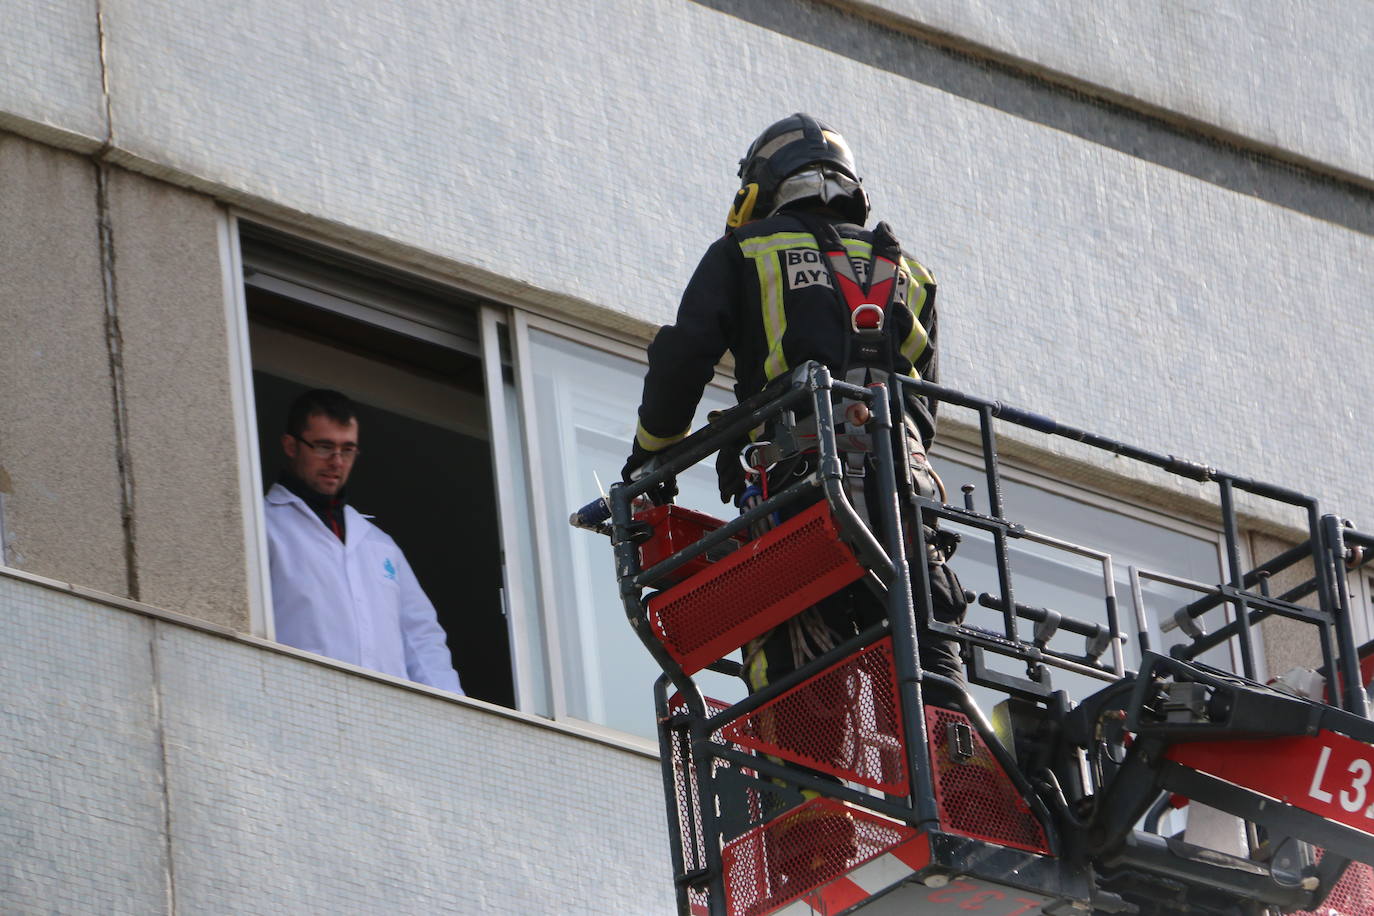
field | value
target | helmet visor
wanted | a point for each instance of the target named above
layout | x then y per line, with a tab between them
819	182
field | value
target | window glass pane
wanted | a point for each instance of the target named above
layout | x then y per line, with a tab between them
519	574
1362	585
586	401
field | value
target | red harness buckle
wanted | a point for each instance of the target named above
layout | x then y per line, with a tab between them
867	307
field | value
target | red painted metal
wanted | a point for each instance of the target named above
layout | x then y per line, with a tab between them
845	721
674	529
974	795
1327	774
746	594
801	851
1353	895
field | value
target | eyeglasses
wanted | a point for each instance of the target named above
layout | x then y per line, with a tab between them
328	450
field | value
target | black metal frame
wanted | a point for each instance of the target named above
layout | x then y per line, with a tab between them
1118	846
888	561
1328	536
1105	840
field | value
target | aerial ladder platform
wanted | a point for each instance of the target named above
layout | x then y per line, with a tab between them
860	783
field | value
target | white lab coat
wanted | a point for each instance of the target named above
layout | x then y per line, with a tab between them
357	601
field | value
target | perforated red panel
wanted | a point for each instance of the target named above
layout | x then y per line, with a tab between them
674	528
686	790
753	589
974	796
845	721
1353	895
803	849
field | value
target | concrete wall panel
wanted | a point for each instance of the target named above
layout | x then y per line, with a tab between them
169	280
81	819
50	71
472	122
1288	643
57	440
292	783
1106	290
292	786
1292	77
495	143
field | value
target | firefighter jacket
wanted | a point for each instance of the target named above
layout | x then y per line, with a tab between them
763	292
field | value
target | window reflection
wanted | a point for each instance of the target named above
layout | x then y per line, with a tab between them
586	402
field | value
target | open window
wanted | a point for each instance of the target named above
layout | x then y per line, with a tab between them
483	426
410	355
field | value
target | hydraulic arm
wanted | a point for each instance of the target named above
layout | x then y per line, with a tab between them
860	780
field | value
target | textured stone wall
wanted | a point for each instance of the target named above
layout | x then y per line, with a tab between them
115	370
1112	291
1107	264
1195	298
169	280
156	768
57	437
50	81
1187	59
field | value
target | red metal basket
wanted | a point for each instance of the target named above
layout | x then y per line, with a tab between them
845	721
1353	895
802	850
974	794
674	529
768	580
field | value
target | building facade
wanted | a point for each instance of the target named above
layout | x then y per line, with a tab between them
1156	223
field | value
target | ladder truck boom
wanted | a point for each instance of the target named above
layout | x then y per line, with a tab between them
860	782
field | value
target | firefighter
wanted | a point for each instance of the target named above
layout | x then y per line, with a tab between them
782	286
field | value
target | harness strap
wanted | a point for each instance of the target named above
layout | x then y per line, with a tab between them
869	302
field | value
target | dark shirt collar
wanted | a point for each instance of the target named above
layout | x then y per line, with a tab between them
317	501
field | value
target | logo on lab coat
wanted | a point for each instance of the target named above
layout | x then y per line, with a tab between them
389	569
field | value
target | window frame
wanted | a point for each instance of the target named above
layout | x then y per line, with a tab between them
519	607
1362	596
522	322
4	537
527	614
350	304
523	613
260	611
1084	493
548	623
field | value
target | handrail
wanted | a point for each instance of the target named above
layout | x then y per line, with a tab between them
1332	546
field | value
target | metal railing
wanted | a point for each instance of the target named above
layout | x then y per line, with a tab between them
697	762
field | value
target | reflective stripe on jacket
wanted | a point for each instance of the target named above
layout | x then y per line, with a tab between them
763	293
789	262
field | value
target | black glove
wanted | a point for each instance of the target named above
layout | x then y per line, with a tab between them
641	462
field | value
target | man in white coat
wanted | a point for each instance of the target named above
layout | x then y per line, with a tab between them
340	585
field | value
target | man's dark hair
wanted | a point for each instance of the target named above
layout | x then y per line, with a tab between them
332	404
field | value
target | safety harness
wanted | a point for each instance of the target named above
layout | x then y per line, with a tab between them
869	303
869	292
870	348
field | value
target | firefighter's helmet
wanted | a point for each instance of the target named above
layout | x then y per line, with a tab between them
798	159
